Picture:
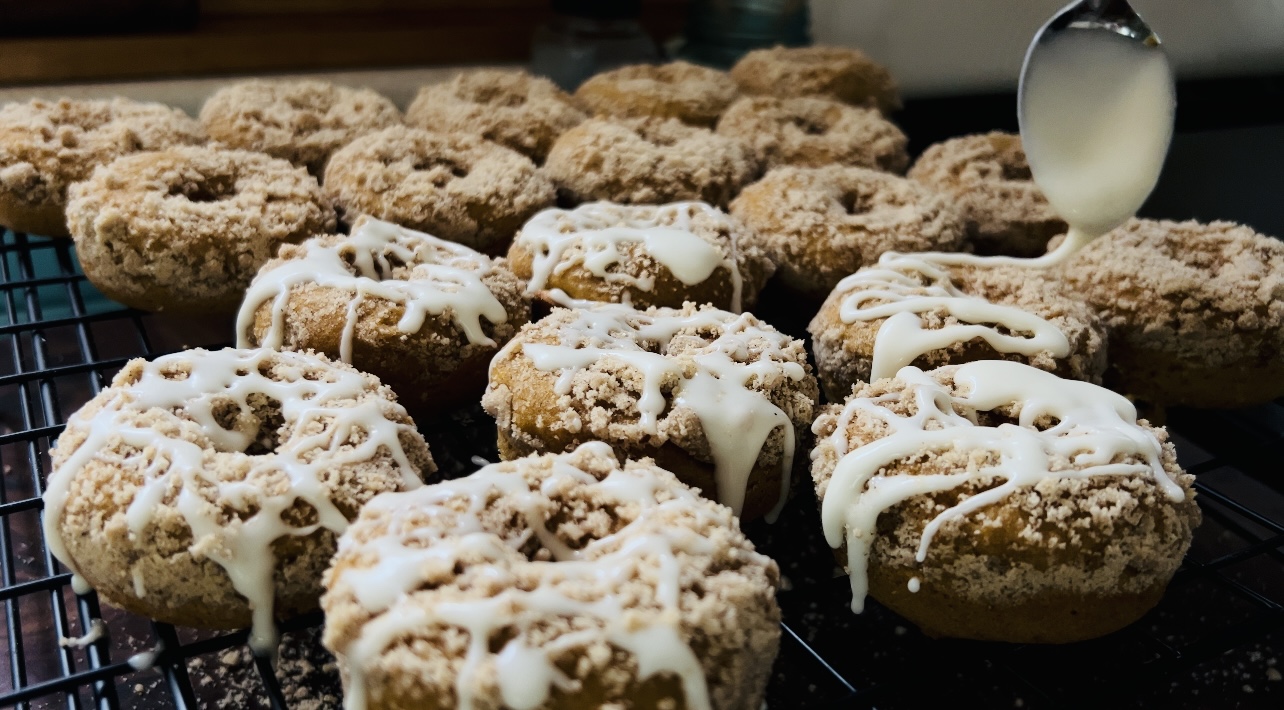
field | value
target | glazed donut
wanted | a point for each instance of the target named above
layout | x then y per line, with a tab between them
207	488
558	582
910	310
648	161
812	132
1195	312
690	93
422	314
513	108
302	121
45	146
722	400
998	502
186	229
641	255
453	186
821	224
989	180
836	72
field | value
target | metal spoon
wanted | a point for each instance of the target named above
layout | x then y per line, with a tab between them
1095	105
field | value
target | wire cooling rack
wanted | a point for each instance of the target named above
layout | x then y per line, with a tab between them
1213	641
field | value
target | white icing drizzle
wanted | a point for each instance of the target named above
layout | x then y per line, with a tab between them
526	675
146	659
598	229
97	630
441	277
903	286
1094	429
736	420
328	432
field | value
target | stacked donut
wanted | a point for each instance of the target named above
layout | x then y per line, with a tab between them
388	266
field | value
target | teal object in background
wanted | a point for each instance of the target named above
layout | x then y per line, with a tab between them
719	32
35	266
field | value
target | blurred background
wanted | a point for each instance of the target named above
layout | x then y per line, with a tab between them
957	61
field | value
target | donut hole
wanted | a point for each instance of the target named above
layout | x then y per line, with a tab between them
854	202
209	188
497	96
810	125
440	169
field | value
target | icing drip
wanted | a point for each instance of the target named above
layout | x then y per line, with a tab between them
903	286
736	420
331	426
526	673
591	235
1094	429
422	274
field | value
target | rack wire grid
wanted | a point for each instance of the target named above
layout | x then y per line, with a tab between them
1212	641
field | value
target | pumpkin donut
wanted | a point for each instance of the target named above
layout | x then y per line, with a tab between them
45	146
453	186
836	72
812	132
688	92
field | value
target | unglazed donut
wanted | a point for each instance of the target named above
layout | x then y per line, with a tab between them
648	161
510	107
910	310
303	121
1195	312
563	582
722	400
207	488
423	314
45	146
641	255
998	502
690	93
821	224
989	180
837	72
453	186
811	132
186	229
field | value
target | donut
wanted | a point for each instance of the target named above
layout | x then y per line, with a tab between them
812	132
560	581
1195	312
207	488
185	229
641	255
835	72
909	310
302	121
45	146
648	161
822	224
995	501
452	186
422	314
690	93
989	180
510	107
720	399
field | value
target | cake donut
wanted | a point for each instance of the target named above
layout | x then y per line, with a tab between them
908	309
45	146
453	186
640	255
720	399
989	180
688	92
812	132
423	314
1195	312
648	161
559	581
510	107
836	72
995	501
207	488
302	121
821	224
185	229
